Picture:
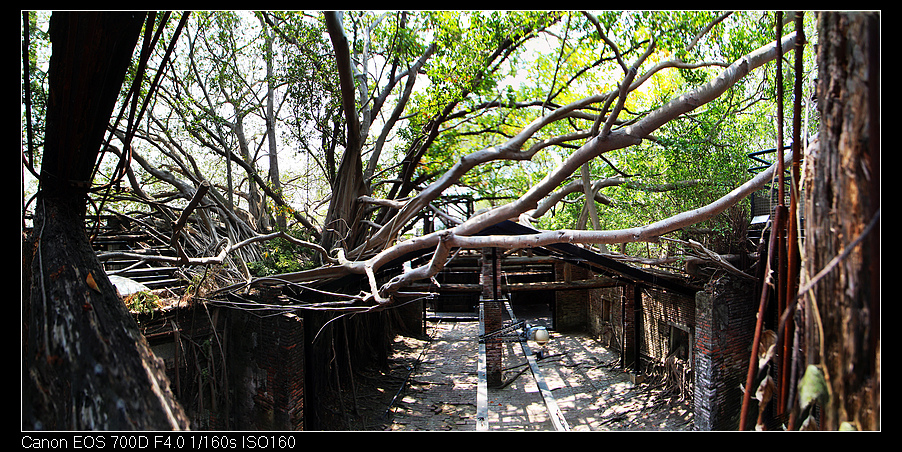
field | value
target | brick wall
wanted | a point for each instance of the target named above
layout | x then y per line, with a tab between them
492	316
597	314
725	328
571	307
630	304
188	340
605	316
267	368
407	317
664	312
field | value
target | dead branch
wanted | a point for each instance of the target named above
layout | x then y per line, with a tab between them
713	257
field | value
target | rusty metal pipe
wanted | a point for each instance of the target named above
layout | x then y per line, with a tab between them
774	244
759	325
792	261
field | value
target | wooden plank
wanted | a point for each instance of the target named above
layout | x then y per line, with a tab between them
522	287
482	389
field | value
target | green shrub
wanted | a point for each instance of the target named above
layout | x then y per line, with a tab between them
281	256
142	302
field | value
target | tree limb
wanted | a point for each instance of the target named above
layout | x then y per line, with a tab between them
462	235
220	258
651	232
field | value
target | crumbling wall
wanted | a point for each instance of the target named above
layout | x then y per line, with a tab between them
605	316
267	371
571	306
667	321
725	328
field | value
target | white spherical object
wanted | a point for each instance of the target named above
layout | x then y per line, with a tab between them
541	336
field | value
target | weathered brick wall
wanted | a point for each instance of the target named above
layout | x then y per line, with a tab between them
267	369
605	315
188	340
630	303
493	316
725	328
407	318
571	307
662	310
596	315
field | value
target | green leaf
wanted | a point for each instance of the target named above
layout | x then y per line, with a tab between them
813	387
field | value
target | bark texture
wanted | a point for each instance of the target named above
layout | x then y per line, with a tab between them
343	226
844	197
86	364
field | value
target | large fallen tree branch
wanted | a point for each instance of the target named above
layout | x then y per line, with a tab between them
462	235
600	144
447	239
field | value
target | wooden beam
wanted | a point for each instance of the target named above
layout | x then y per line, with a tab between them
482	387
521	287
596	262
554	412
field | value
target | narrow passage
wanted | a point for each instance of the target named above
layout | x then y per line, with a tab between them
591	392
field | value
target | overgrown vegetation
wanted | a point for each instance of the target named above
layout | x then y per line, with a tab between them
142	302
281	256
261	106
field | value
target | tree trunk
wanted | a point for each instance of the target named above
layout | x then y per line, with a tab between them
88	367
86	364
844	197
255	203
274	176
343	227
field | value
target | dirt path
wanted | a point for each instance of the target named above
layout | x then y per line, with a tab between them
439	383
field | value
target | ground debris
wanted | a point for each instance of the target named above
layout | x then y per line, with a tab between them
592	392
